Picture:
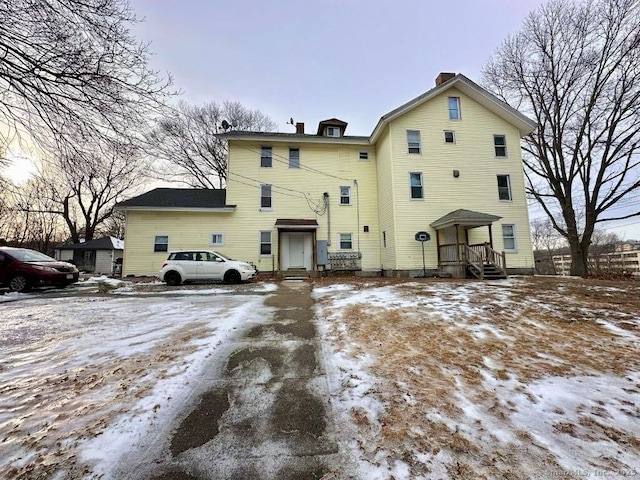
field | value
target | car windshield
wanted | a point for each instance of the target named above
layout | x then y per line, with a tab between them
224	257
30	256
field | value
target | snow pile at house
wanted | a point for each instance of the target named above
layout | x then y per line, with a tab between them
515	379
100	374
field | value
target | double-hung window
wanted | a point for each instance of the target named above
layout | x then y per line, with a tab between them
345	195
161	243
294	158
413	141
415	182
504	187
217	239
454	108
266	157
345	241
265	242
509	238
449	136
500	145
265	196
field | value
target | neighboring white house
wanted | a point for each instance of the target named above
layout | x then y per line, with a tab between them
94	256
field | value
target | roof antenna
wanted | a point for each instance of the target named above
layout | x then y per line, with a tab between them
290	122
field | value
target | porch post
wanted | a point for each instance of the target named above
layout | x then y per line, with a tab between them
457	244
438	245
490	237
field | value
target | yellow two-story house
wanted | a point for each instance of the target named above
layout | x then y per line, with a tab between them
437	188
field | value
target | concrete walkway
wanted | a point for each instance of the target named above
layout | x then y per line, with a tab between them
267	415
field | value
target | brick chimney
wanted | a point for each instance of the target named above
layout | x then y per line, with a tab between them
443	77
300	127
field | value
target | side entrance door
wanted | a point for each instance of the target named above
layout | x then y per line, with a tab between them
296	250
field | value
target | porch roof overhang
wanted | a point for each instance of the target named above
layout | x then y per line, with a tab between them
296	224
467	218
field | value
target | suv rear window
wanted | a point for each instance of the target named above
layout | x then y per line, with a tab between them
181	256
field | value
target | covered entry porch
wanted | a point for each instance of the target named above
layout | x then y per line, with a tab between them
296	244
457	256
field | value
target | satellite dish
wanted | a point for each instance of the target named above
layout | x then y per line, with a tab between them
225	125
290	121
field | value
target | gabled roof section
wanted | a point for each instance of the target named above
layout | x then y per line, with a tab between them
179	199
509	114
466	218
105	243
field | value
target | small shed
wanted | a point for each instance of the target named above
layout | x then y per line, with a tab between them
95	256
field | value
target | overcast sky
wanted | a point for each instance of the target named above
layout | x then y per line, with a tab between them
351	59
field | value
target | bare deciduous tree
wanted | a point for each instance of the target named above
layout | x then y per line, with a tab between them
82	192
187	141
546	242
72	68
575	67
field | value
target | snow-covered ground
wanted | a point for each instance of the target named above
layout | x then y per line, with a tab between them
84	379
523	378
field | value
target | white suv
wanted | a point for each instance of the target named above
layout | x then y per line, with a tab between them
204	265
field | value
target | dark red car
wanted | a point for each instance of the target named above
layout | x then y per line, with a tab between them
22	269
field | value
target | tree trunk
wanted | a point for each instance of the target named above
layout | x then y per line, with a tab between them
579	256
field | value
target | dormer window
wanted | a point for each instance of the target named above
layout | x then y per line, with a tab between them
331	128
332	132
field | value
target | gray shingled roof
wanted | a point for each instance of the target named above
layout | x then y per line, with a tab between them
465	217
105	243
178	198
243	133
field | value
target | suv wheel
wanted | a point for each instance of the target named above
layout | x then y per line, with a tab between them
19	283
232	276
172	278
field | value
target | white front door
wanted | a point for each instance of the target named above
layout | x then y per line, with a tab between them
296	250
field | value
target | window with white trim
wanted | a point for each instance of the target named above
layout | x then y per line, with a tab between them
345	195
332	131
509	238
345	240
265	242
413	141
294	158
454	108
449	136
500	145
265	197
504	187
216	239
415	183
161	243
363	155
266	157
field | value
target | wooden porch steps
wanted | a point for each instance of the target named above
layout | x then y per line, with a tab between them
490	272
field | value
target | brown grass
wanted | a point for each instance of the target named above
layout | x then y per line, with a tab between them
546	327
